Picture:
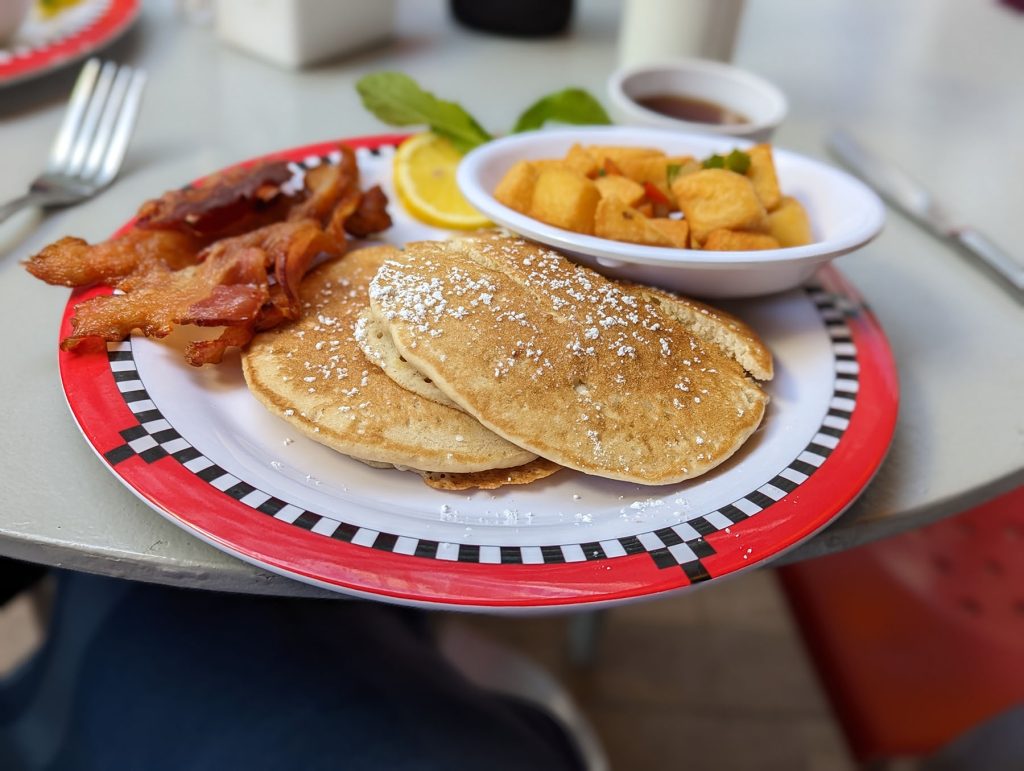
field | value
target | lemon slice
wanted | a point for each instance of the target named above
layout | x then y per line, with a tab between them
424	170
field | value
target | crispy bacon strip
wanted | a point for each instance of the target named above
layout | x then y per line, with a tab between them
327	185
200	352
370	216
290	248
73	262
171	229
227	203
230	287
345	208
293	258
162	298
178	265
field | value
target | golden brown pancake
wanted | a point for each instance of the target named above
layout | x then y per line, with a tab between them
374	339
493	479
714	326
538	468
559	360
312	373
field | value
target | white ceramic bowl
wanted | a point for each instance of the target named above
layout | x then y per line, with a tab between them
754	97
844	214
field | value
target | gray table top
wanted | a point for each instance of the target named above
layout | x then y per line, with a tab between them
911	79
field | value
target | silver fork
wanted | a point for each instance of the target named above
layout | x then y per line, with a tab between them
92	140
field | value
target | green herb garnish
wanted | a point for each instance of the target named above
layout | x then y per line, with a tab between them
573	105
672	171
398	100
737	161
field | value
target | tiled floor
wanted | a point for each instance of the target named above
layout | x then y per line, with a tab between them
716	680
712	680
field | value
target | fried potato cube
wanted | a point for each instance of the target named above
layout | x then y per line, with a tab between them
516	188
789	224
620	155
565	199
549	163
716	198
670	232
654	169
623	188
617	220
762	175
581	160
725	240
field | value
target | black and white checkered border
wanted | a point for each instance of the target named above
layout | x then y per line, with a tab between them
678	546
363	154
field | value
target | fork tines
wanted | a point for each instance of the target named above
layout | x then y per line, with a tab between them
98	123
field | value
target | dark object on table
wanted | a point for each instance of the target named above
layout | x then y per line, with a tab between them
516	18
919	638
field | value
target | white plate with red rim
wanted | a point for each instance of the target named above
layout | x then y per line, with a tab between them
845	214
44	44
201	451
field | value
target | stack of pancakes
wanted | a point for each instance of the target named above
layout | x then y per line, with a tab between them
487	360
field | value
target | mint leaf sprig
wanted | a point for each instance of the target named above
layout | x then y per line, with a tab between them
398	100
573	105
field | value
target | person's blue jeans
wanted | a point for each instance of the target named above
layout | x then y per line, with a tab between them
135	676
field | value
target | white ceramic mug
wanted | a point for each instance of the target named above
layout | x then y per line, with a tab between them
654	30
297	33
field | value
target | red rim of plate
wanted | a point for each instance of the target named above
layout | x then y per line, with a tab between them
236	528
117	17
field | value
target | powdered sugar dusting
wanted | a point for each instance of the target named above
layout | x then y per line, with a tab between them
321	367
514	313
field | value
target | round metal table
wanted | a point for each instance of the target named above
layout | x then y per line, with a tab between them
908	78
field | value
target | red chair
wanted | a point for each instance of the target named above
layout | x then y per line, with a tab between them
919	637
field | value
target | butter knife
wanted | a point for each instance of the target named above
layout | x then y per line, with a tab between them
913	199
